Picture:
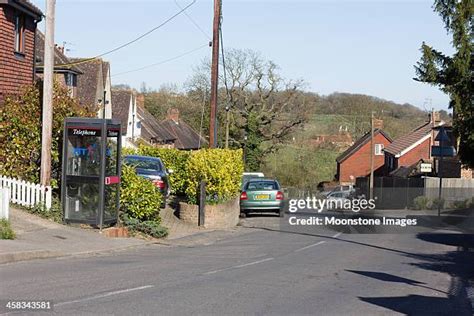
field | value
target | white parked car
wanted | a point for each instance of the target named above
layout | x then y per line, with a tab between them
336	199
246	176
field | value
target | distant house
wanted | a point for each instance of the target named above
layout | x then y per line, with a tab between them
152	132
18	23
355	161
93	83
412	147
186	137
138	125
124	108
64	73
342	140
406	152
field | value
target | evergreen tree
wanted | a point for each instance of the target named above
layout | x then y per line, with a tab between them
454	74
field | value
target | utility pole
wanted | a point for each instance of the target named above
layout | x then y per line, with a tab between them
214	74
104	102
371	184
227	119
47	119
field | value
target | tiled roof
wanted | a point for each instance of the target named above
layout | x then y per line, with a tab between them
28	4
25	5
402	143
359	143
90	84
59	58
186	137
121	106
151	130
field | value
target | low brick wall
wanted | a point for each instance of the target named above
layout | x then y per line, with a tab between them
224	215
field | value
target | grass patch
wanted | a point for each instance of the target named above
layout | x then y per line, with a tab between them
6	231
301	167
148	227
54	214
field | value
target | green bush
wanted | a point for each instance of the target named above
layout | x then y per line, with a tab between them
55	213
471	203
139	198
126	151
221	169
174	159
421	203
459	205
437	202
149	227
6	231
20	132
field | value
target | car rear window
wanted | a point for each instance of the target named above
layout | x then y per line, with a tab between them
262	185
144	163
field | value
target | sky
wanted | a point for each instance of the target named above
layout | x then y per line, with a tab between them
368	47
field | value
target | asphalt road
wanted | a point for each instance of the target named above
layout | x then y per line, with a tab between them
258	271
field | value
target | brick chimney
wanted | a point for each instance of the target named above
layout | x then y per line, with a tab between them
173	114
435	118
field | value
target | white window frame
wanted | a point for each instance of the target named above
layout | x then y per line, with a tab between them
378	149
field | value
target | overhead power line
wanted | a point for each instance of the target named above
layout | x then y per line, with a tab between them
134	40
161	62
194	22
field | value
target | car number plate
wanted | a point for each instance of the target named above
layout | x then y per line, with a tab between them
262	197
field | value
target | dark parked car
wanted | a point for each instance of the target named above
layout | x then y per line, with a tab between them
151	168
261	195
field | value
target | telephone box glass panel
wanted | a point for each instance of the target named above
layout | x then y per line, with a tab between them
82	173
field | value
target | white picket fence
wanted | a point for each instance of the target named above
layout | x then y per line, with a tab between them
26	193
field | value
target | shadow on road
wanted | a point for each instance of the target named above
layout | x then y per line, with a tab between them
382	276
416	305
457	264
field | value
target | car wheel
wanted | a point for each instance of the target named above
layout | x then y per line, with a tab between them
281	213
243	214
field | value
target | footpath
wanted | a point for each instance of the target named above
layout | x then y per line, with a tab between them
38	238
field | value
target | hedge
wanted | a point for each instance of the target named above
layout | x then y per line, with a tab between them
173	159
20	132
139	198
221	168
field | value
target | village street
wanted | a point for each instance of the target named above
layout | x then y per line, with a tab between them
259	269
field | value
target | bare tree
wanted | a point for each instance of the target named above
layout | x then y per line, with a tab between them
265	108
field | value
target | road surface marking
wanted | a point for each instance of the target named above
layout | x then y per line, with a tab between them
337	235
240	266
310	246
104	295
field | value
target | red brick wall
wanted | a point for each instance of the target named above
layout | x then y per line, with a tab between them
358	165
15	71
421	151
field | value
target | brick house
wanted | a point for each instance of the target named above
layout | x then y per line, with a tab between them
18	23
355	161
406	152
411	148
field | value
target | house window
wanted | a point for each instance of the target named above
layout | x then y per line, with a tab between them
19	33
379	149
71	80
